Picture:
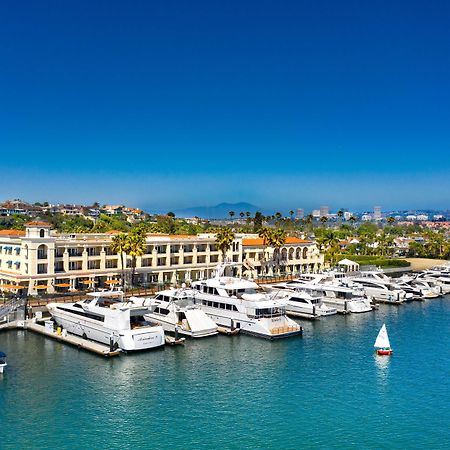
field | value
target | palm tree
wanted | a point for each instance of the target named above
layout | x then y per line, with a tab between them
265	233
119	246
224	239
390	220
352	219
135	246
324	220
242	214
277	240
278	215
231	213
291	213
340	215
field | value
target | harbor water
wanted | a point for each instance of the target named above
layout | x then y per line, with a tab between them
326	389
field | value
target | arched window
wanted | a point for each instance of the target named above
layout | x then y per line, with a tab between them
298	253
291	253
42	233
305	253
42	252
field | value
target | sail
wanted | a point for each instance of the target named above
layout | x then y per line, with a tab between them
382	339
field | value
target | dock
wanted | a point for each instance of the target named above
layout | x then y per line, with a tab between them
302	315
228	331
79	342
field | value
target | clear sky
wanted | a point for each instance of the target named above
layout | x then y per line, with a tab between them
169	104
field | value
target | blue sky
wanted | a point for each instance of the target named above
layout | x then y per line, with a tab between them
171	104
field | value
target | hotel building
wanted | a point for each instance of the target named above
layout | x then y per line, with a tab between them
41	260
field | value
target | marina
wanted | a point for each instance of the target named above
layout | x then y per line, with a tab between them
330	373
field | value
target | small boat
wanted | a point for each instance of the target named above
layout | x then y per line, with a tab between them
382	344
2	361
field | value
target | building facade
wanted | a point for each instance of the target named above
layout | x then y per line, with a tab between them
39	260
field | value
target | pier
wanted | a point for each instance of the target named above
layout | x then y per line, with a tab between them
79	342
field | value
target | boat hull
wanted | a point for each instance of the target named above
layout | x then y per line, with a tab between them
383	352
126	340
2	366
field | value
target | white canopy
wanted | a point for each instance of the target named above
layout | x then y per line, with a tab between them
350	266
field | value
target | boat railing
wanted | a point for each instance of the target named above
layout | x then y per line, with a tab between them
285	329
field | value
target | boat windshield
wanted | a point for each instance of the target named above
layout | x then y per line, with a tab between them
267	313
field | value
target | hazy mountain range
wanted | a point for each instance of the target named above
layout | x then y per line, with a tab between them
220	211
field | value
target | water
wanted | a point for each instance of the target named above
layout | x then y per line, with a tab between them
325	390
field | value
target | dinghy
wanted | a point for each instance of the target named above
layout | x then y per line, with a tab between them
382	344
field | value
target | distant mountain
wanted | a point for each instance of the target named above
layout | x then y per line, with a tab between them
217	212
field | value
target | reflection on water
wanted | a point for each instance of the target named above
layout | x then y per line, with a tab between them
382	365
238	392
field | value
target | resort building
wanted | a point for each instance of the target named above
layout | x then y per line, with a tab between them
41	260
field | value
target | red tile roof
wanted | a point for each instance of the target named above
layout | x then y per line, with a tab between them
12	233
37	224
258	242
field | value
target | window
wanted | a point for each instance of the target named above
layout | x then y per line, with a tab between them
42	233
42	268
42	252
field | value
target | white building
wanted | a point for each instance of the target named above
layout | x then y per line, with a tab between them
39	260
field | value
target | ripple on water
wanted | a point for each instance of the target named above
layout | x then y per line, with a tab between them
325	390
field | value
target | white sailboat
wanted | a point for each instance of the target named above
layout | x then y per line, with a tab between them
382	344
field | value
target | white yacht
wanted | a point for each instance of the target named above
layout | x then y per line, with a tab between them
438	277
344	299
106	318
420	288
302	303
176	311
238	303
381	291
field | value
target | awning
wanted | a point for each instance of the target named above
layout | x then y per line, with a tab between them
41	286
88	282
62	285
112	282
10	286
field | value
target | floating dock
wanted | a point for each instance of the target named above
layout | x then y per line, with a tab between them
79	342
228	331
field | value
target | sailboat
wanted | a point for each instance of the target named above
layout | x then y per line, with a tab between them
382	344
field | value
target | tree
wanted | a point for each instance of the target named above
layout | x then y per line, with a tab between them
291	213
352	220
231	213
257	221
340	215
324	220
135	246
390	220
119	246
277	240
224	240
242	214
171	214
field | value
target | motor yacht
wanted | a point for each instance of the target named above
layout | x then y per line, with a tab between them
177	312
438	277
381	291
105	317
238	303
345	299
302	303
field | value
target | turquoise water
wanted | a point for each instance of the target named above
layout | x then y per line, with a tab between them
325	390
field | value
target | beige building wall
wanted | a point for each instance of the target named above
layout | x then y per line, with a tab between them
41	261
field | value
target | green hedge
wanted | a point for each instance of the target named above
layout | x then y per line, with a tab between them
379	261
